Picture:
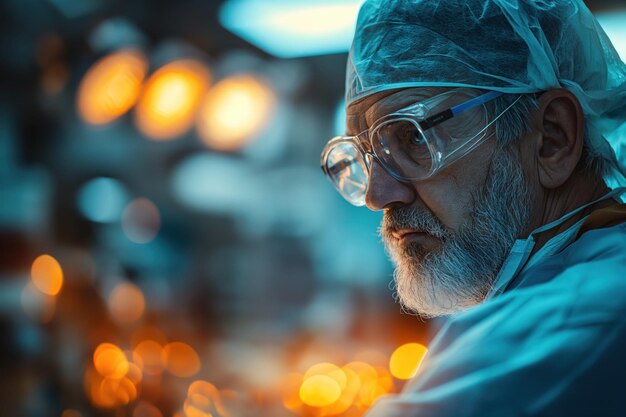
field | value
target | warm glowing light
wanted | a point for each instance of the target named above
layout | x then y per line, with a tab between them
147	333
385	380
196	410
134	373
126	302
37	305
368	382
203	388
122	391
199	401
47	275
406	359
114	381
170	100
141	220
374	388
202	396
93	381
289	388
348	394
109	392
319	391
364	371
110	361
144	409
234	110
111	86
71	413
328	369
182	360
152	356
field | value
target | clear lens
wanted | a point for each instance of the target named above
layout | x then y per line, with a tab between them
412	153
456	136
404	148
346	167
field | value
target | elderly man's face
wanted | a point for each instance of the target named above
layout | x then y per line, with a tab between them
447	235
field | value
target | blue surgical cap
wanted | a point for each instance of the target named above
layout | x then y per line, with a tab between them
512	46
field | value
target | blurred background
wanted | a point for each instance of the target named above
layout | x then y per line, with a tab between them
168	243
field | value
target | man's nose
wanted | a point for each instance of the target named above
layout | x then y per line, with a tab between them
384	191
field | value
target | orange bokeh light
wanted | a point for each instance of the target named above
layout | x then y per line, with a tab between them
196	410
328	369
385	380
233	111
289	388
324	385
147	332
152	355
202	398
121	390
319	391
134	374
374	388
406	359
144	409
109	392
47	275
203	388
110	361
111	86
126	303
348	394
334	391
170	100
181	359
368	383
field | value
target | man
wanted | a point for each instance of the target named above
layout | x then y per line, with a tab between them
480	128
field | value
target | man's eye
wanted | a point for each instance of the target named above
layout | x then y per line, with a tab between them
409	135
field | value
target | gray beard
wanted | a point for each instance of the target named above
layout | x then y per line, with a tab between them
462	270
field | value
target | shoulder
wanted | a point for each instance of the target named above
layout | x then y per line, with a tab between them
592	276
554	347
584	281
557	345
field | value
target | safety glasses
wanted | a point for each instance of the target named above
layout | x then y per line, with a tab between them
412	143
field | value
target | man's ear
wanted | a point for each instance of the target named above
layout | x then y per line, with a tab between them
560	122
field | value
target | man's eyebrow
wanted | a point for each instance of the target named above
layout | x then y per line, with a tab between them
391	104
386	105
376	112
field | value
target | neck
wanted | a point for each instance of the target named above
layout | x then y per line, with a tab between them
556	203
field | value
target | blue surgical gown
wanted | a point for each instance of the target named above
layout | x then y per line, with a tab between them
555	345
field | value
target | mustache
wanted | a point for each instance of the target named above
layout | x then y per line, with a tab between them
401	218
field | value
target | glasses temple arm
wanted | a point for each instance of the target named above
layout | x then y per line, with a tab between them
441	117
